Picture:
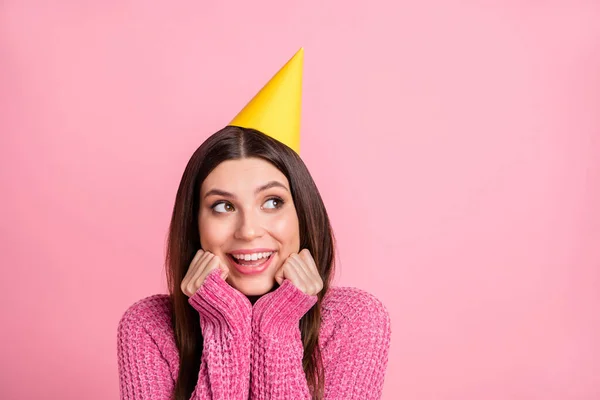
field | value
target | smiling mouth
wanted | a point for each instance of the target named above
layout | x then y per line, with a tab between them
251	260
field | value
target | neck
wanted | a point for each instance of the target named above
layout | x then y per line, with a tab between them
254	298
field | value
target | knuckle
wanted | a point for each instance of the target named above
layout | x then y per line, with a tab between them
184	284
305	253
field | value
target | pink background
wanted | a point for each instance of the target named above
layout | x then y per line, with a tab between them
456	145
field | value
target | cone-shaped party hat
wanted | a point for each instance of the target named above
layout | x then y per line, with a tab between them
275	110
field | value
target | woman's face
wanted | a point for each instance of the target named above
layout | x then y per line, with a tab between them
247	212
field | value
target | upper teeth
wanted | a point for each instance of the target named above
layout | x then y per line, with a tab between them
253	256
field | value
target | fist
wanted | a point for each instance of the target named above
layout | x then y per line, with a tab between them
202	265
302	271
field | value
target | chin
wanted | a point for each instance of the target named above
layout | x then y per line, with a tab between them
253	287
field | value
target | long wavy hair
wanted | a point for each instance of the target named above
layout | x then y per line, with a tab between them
231	143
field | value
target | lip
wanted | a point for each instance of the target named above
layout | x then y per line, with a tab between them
245	270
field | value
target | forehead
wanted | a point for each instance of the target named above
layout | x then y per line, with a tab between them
245	173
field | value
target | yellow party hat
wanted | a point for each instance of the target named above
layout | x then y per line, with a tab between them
275	110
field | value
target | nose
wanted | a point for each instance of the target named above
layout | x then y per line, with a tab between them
249	227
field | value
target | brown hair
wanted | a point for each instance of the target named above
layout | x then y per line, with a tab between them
183	242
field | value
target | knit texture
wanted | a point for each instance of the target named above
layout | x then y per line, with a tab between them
255	352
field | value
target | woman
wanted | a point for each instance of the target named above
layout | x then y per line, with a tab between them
251	313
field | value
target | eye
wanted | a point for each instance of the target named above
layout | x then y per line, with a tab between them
222	207
273	203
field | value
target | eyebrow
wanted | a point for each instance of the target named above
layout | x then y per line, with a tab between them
268	185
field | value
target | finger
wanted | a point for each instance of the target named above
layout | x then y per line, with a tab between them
211	265
224	269
197	262
315	274
293	273
192	283
197	256
313	279
204	263
305	283
280	274
205	255
309	260
192	269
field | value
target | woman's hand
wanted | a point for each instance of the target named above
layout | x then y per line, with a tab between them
202	265
302	271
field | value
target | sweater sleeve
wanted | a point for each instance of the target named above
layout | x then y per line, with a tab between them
143	371
277	348
225	320
356	354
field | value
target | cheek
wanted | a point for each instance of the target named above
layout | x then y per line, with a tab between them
285	229
212	233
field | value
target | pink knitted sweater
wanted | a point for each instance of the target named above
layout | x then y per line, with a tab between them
255	351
